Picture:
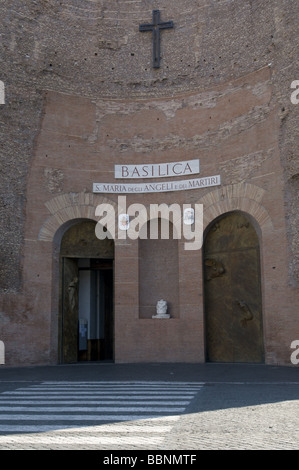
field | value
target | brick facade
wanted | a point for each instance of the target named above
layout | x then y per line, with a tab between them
216	104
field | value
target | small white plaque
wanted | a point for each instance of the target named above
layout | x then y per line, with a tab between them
123	221
189	216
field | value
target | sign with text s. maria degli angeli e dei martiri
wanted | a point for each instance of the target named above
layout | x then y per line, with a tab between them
157	187
158	170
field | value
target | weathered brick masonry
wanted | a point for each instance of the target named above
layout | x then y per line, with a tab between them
81	97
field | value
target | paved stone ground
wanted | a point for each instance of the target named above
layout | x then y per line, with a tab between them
240	417
238	408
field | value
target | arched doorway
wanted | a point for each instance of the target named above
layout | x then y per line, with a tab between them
86	323
233	302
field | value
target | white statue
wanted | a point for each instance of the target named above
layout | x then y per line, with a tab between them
161	309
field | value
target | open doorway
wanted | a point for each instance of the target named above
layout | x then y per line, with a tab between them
95	310
86	314
87	310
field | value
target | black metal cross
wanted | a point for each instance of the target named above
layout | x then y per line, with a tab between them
155	27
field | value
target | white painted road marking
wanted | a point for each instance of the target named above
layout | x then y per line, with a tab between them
78	408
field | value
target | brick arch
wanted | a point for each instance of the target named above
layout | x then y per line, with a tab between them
67	207
243	197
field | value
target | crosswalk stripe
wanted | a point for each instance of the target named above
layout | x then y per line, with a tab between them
109	385
107	429
92	440
95	409
24	441
38	394
136	401
105	387
74	417
122	383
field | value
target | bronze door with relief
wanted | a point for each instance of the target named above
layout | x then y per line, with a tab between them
233	303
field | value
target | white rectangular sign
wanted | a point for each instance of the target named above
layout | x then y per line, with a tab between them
132	188
159	170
